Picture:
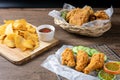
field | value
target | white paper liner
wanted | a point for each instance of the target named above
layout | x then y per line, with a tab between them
53	63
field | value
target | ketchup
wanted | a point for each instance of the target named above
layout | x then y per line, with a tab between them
45	30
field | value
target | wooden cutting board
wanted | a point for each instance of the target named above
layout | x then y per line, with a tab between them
17	56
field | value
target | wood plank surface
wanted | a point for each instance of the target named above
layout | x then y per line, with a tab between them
37	16
17	56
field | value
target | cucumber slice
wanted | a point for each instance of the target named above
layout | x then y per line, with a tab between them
84	48
63	14
105	58
90	51
80	47
87	49
93	51
75	49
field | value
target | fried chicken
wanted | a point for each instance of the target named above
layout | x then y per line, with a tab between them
101	15
88	8
71	13
97	62
78	16
68	58
82	60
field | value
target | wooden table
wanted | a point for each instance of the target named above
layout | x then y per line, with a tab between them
37	16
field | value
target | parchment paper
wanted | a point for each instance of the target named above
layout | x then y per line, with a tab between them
53	63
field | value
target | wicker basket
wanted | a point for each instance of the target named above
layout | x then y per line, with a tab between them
94	31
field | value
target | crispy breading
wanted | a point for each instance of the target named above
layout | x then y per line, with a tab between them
78	16
88	8
96	62
82	60
101	15
68	58
71	13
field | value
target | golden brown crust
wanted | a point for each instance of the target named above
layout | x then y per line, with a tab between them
68	58
88	8
101	15
82	60
79	16
97	62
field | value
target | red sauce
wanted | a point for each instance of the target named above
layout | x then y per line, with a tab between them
45	30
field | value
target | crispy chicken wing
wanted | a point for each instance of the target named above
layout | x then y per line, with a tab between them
97	62
82	60
101	15
68	58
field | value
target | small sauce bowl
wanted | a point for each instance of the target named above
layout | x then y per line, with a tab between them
46	32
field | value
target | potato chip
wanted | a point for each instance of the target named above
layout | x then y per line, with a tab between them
8	42
19	34
2	36
28	44
2	29
9	29
8	21
18	42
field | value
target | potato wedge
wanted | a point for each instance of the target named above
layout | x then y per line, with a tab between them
28	44
9	29
18	42
9	43
19	34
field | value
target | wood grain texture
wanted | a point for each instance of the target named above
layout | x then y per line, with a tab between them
17	56
37	16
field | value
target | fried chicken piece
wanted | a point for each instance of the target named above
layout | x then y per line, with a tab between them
82	60
91	11
88	8
71	13
97	62
101	15
78	16
68	58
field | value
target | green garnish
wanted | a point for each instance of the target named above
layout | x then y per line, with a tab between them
63	14
105	76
